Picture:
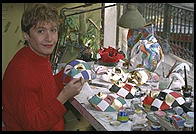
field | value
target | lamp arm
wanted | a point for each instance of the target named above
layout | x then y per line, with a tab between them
64	9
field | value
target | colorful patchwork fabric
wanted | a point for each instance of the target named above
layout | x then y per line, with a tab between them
127	91
107	102
144	49
76	69
165	99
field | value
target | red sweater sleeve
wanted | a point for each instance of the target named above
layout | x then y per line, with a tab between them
33	113
23	98
59	79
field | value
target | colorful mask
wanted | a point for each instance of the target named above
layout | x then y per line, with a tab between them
76	69
117	75
164	100
127	91
107	102
110	55
138	76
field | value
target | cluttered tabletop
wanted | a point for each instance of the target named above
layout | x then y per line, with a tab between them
148	89
148	102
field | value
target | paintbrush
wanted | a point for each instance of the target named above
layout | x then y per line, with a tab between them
172	68
185	78
170	83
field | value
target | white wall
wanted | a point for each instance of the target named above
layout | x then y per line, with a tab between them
110	24
110	29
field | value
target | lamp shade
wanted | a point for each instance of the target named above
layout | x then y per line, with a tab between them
132	18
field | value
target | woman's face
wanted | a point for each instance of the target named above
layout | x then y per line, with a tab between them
42	38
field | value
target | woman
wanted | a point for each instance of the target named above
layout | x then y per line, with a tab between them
32	97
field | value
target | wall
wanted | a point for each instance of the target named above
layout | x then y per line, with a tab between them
110	25
11	13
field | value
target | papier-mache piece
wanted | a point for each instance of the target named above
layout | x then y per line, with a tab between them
178	76
110	55
127	91
164	100
107	102
146	52
76	69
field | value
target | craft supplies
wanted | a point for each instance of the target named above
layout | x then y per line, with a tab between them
151	117
98	85
122	116
164	83
185	78
187	91
139	118
155	126
190	117
115	123
178	121
160	113
172	68
189	124
188	127
178	110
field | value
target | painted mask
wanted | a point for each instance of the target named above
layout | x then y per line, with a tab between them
76	69
139	76
107	102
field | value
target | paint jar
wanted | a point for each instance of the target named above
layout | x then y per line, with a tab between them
188	127
155	126
122	116
163	83
190	117
178	110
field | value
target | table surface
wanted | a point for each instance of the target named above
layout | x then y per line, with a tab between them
100	120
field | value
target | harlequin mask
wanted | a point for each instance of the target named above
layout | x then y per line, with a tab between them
107	102
163	100
76	69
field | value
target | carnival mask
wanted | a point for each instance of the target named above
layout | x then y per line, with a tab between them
139	76
76	69
107	102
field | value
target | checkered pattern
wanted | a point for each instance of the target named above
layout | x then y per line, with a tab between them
110	103
166	99
71	72
127	91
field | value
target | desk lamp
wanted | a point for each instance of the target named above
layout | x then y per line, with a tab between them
132	18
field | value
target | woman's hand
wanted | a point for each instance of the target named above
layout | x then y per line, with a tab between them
72	89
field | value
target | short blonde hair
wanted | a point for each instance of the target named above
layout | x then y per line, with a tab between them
38	13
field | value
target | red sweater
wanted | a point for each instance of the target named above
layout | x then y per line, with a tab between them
29	94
